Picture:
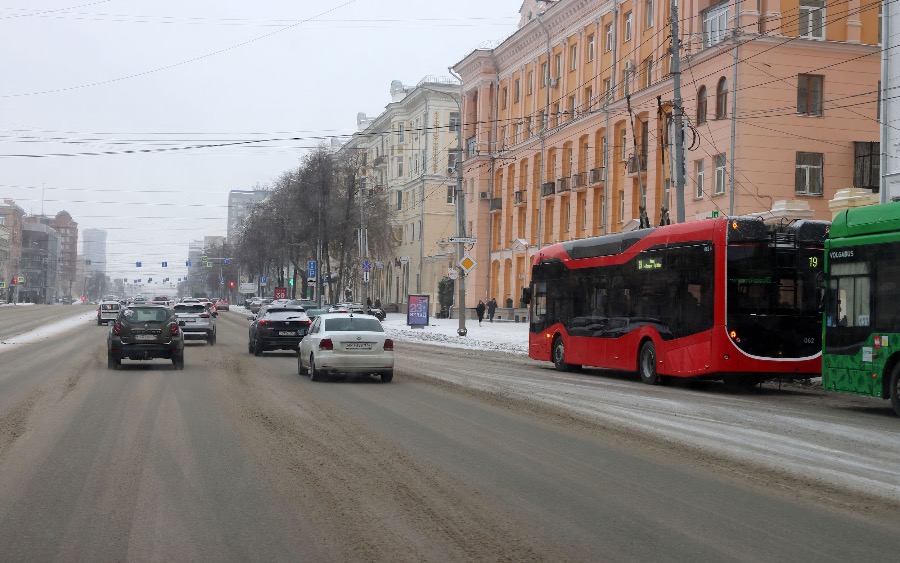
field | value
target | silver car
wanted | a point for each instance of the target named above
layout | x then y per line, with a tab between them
196	322
107	311
346	343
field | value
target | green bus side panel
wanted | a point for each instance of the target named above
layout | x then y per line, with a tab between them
850	374
867	220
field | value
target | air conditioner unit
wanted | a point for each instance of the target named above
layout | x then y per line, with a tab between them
484	195
554	82
451	170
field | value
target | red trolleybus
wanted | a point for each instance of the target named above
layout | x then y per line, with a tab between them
728	298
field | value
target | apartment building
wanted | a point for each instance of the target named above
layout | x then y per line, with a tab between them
568	123
410	152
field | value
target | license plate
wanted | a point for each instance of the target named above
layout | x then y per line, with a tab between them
358	345
145	337
288	333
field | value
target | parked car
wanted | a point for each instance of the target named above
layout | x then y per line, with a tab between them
346	343
145	332
277	328
107	312
223	305
196	322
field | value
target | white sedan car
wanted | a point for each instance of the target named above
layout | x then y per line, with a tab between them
346	343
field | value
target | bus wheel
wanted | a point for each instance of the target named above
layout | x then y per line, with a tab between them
559	352
647	363
895	389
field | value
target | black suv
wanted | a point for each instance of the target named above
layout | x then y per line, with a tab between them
278	328
145	332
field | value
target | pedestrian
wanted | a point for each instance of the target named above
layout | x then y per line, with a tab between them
492	308
479	310
369	302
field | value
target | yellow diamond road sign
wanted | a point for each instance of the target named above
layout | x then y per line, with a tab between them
467	263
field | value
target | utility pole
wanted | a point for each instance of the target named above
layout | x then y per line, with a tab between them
677	112
460	213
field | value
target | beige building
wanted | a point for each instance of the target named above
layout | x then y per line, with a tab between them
410	158
780	107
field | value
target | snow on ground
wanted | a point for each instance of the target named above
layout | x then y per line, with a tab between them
503	336
47	331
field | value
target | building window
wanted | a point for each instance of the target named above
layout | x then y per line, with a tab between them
504	97
621	206
451	162
698	178
809	94
399	200
648	72
701	105
648	10
715	20
608	33
589	98
568	215
399	166
571	107
529	88
454	121
607	90
626	36
557	65
812	19
720	174
808	179
573	57
556	112
420	229
517	91
545	73
721	98
451	194
624	144
590	47
401	132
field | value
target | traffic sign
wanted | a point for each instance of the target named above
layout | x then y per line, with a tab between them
137	264
366	266
467	263
453	273
463	240
311	269
165	264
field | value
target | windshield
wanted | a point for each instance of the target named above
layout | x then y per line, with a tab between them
347	324
146	315
772	310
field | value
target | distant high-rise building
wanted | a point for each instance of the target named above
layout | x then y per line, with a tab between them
94	249
239	204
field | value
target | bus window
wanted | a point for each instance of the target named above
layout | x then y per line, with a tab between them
850	290
539	306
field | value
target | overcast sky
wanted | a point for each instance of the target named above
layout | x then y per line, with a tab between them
97	76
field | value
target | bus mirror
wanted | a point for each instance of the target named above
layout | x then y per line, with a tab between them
820	292
526	295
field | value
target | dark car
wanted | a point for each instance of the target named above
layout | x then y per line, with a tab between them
223	305
145	332
278	328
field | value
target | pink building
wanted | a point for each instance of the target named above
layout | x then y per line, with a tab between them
780	106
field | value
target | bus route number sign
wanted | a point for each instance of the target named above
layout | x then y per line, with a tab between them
649	264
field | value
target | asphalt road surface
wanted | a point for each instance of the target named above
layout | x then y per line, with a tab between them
239	458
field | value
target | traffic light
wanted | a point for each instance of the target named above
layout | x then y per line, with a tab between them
15	280
291	282
231	284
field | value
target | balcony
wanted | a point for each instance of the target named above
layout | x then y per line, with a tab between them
548	188
562	184
595	176
519	197
578	180
496	204
633	165
379	161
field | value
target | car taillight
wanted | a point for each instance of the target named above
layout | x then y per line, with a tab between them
204	315
174	329
264	322
388	344
326	344
117	328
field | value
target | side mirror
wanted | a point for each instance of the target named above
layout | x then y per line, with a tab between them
820	292
526	295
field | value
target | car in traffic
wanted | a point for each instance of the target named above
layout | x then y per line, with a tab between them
107	312
277	328
196	322
347	308
145	332
346	343
256	304
223	305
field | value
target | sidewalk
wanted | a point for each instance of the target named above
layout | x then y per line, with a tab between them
503	336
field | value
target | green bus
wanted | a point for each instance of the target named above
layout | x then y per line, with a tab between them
861	341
